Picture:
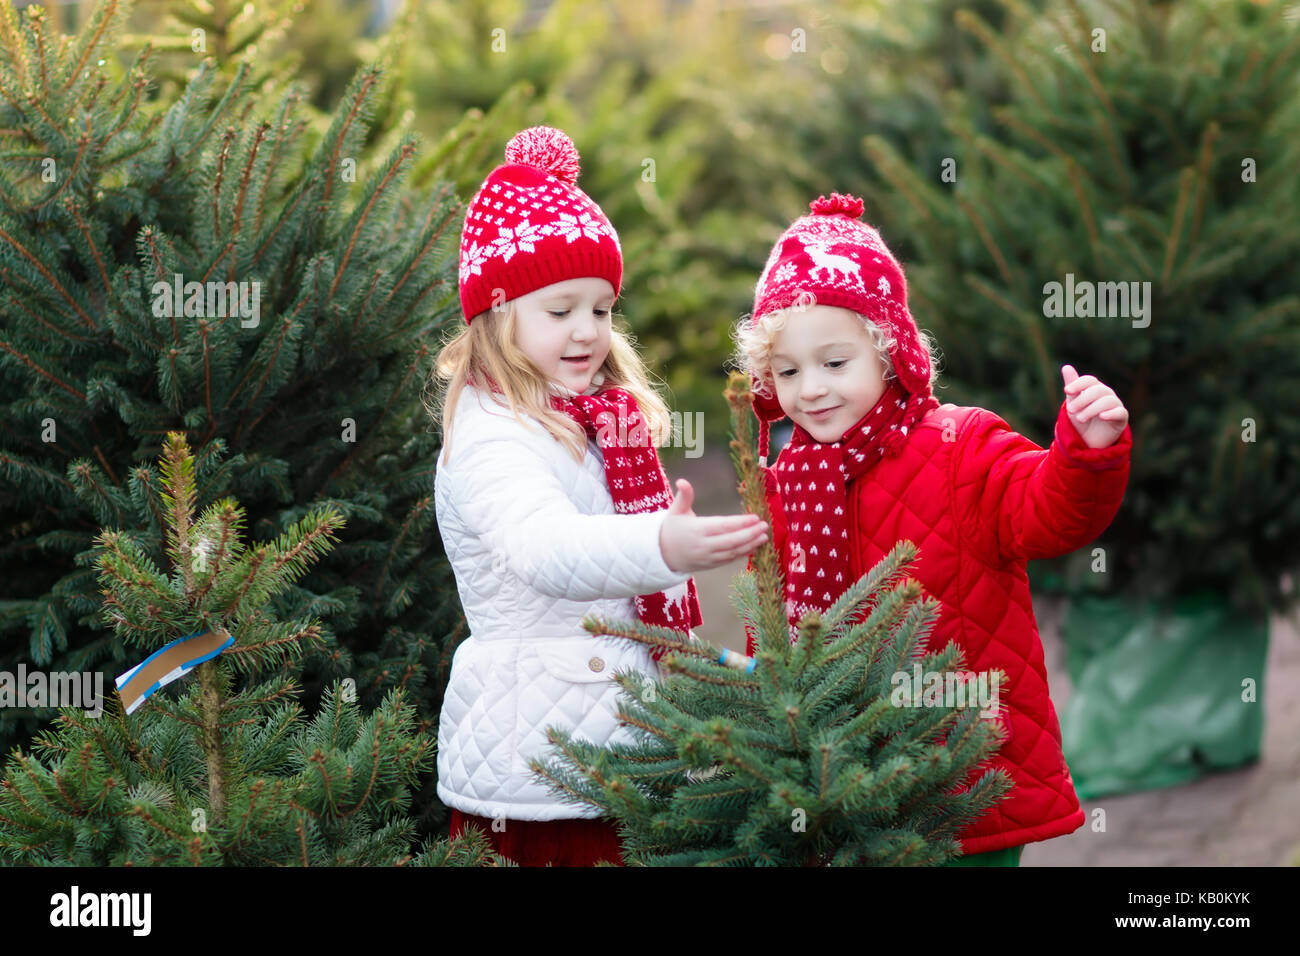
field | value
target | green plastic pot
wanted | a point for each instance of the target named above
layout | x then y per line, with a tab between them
1161	695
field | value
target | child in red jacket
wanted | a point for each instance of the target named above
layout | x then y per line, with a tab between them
874	459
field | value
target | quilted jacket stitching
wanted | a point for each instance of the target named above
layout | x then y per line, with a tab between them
475	781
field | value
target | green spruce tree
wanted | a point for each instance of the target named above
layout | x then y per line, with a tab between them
303	378
220	767
818	756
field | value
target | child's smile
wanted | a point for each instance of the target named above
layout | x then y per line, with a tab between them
826	371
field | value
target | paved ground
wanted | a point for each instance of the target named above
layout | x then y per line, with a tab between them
1248	817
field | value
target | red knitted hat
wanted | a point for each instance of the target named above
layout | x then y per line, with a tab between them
529	225
831	258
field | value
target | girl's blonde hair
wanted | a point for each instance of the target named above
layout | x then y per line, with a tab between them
754	344
486	349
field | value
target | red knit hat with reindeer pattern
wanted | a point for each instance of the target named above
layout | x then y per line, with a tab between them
832	258
529	225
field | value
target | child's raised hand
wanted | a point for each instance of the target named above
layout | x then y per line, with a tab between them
691	543
1094	409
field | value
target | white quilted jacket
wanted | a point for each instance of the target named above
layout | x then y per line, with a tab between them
535	545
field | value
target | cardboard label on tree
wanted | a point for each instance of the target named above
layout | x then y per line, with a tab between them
168	663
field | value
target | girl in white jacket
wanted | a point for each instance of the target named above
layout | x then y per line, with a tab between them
552	504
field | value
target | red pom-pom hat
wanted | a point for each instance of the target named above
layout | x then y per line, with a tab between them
529	226
829	257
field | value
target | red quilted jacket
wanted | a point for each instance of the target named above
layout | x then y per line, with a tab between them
979	500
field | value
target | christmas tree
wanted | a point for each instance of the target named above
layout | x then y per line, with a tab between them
215	261
819	751
227	770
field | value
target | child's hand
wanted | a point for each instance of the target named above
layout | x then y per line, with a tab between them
691	543
1094	409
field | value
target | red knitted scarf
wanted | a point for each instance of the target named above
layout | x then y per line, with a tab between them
813	478
638	484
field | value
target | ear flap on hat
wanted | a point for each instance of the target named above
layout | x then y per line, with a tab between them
767	409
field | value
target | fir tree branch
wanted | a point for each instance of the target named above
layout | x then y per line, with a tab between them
211	739
65	182
233	93
68	798
973	24
214	194
285	325
27	360
390	175
561	741
375	429
283	135
991	246
53	283
359	98
20	304
286	216
1180	209
159	825
662	734
104	15
1030	325
74	210
1076	177
245	182
1204	160
99	453
13	44
310	634
138	88
86	473
43	474
252	576
1283	58
1109	118
254	792
899	175
437	202
729	678
417	510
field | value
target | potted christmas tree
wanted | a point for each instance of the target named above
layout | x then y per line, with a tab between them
812	753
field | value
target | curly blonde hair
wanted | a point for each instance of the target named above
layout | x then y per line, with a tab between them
754	344
487	348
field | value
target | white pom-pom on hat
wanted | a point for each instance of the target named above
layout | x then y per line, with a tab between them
545	148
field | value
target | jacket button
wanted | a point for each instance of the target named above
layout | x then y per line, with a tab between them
596	664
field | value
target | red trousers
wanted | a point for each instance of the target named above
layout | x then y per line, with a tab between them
539	842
